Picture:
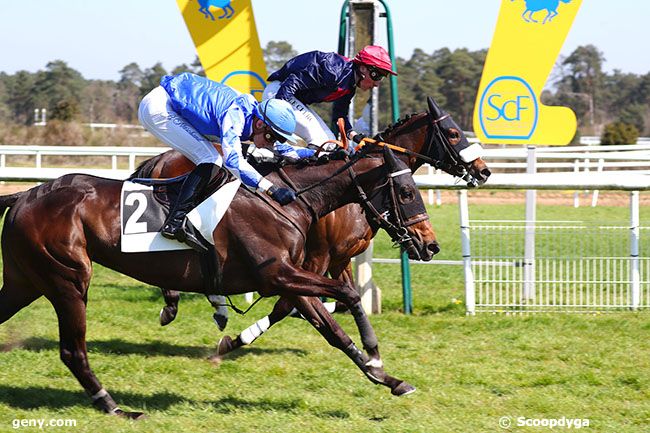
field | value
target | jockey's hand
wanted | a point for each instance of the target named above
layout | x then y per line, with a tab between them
337	154
261	155
283	196
356	136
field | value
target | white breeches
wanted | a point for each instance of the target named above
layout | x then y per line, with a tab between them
309	126
158	117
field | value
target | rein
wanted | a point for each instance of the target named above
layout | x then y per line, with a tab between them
399	234
433	130
340	170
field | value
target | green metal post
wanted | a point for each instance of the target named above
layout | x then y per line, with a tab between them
407	293
343	26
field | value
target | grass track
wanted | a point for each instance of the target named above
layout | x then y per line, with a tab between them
468	371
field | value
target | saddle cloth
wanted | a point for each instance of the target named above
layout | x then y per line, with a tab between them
142	216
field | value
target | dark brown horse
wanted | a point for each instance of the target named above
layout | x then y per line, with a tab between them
53	232
432	137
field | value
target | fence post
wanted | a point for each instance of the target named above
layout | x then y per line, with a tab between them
369	292
430	192
470	294
529	237
576	194
594	194
635	280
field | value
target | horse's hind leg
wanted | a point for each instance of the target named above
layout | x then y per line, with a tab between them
169	311
71	312
16	293
14	297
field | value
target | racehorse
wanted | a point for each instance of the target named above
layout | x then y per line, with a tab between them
53	232
533	6
431	136
224	5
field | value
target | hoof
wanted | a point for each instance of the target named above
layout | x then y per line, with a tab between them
167	315
403	388
224	345
129	415
220	320
215	360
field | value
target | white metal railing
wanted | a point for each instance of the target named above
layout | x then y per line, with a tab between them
633	159
39	172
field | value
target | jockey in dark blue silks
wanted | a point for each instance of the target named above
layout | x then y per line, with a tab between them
187	112
327	77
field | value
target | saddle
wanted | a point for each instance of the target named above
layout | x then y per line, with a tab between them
144	214
166	191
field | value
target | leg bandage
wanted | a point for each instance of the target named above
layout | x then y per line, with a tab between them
258	328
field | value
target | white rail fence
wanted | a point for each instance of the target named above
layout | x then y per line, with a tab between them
40	171
567	160
521	266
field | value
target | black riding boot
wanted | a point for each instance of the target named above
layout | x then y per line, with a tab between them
175	225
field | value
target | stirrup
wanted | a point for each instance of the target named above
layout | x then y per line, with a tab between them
173	231
191	237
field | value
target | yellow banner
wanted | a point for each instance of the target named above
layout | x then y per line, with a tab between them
527	40
227	43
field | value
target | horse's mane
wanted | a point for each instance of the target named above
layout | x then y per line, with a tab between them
399	124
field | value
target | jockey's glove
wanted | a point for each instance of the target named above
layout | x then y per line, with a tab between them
261	155
355	136
337	154
283	196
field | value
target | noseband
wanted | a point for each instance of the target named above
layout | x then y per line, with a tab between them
398	230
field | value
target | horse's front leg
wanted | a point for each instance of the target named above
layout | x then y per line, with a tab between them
280	310
297	283
549	16
318	316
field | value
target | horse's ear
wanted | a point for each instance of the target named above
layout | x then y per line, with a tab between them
389	159
435	111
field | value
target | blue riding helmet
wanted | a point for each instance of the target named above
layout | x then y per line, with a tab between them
278	115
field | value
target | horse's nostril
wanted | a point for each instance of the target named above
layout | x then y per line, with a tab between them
486	173
434	248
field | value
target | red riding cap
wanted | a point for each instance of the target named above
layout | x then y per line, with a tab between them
373	55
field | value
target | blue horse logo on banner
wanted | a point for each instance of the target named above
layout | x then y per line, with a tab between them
533	6
224	5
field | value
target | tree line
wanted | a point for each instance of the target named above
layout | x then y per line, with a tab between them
450	76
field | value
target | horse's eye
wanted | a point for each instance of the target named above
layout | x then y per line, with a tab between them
454	135
406	194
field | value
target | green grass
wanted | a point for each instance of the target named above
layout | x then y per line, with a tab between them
469	371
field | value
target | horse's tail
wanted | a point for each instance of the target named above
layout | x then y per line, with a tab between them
6	201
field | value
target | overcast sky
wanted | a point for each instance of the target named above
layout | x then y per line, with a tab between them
99	38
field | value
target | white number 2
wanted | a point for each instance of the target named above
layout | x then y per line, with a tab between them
132	225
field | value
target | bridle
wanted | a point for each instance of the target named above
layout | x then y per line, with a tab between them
447	156
397	230
380	218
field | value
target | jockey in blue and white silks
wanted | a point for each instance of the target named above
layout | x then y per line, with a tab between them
187	112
